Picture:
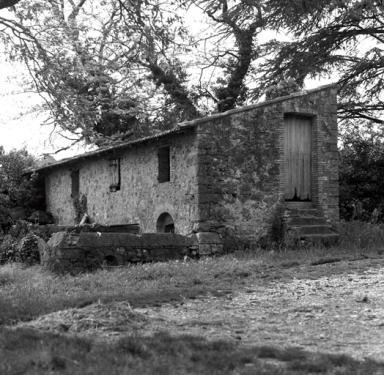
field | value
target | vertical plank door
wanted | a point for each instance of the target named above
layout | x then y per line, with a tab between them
297	154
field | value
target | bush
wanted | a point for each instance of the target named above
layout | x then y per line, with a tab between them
20	229
28	250
8	249
361	172
20	193
360	235
23	249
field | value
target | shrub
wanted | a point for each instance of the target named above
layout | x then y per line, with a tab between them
8	249
361	172
361	235
23	250
28	250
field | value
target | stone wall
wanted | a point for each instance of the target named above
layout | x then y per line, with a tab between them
239	175
76	252
141	198
241	167
227	175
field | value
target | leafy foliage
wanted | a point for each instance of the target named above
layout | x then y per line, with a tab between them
21	244
7	3
338	37
109	70
362	175
28	251
283	88
8	249
17	189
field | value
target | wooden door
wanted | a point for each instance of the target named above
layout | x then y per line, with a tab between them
297	154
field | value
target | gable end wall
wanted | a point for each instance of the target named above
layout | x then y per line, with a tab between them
241	168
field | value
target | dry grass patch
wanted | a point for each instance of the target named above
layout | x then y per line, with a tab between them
26	293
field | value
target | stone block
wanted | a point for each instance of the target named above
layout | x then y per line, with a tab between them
217	248
202	226
204	249
208	238
99	239
57	239
157	240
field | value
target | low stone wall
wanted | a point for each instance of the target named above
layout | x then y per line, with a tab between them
86	251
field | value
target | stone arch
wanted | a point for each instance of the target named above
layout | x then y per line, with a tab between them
165	223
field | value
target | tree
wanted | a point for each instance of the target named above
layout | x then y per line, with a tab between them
362	174
16	188
8	3
339	37
135	69
70	66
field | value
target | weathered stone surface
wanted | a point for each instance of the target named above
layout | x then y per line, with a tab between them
68	252
141	198
57	239
98	239
241	167
227	175
156	240
208	238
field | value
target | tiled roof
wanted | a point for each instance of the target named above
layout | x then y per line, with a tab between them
179	128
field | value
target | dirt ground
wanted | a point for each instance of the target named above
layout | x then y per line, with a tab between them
336	307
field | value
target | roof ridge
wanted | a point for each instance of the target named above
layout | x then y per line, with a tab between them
181	126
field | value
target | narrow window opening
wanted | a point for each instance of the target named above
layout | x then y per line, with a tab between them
75	184
164	170
115	175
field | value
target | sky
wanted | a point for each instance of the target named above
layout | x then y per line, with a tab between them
21	127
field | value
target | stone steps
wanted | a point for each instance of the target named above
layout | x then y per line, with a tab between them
329	239
306	220
312	229
307	224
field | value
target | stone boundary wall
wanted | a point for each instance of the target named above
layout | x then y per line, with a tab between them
71	252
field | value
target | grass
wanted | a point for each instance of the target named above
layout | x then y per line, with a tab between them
26	293
360	236
25	351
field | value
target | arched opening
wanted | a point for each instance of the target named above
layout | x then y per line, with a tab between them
111	260
165	223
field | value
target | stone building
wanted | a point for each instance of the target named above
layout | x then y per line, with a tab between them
232	179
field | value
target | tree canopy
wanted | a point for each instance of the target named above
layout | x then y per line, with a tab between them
16	188
107	69
340	37
110	69
362	174
7	3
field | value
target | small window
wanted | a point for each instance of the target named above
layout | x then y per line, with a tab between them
115	175
164	165
75	184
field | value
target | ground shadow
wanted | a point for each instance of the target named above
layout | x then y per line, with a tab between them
29	351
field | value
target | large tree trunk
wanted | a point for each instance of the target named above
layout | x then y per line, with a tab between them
228	95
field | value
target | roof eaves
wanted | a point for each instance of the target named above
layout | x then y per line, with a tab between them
180	127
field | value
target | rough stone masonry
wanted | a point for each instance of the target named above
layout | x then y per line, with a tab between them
218	179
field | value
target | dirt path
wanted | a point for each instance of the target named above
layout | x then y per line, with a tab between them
332	308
